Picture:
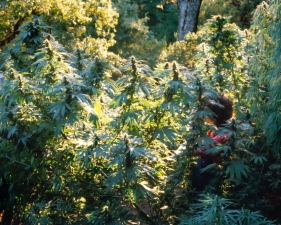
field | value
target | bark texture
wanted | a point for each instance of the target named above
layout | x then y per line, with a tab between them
188	16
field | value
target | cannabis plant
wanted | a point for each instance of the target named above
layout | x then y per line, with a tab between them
212	209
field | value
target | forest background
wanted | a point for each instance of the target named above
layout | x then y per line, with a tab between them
101	108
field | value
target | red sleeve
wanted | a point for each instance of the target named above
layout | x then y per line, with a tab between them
217	139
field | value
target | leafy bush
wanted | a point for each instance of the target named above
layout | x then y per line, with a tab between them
216	210
77	147
240	12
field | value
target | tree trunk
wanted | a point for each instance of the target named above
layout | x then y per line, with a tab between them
188	16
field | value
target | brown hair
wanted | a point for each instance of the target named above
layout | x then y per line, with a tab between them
221	106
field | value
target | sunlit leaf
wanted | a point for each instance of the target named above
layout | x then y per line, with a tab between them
165	133
98	109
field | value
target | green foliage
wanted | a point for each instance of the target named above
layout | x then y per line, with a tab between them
110	215
130	30
41	100
77	147
223	56
89	25
237	169
163	18
240	12
265	73
217	210
182	52
134	36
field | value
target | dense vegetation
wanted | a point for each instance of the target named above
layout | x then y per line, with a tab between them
100	112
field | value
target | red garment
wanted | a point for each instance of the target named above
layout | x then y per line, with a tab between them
217	139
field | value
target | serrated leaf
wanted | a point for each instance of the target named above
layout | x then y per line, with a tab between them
164	105
98	109
82	97
114	180
68	106
205	142
259	159
58	127
209	167
46	126
165	133
23	141
131	174
224	149
131	118
175	85
119	100
94	90
117	160
100	151
55	107
144	89
236	169
56	113
62	110
12	130
146	103
174	107
95	120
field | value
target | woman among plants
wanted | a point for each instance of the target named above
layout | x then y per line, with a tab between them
221	111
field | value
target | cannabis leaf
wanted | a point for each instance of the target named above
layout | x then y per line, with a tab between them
236	169
165	133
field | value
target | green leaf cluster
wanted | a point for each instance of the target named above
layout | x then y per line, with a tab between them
88	136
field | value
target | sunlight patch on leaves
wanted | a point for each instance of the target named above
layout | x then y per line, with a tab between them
165	133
